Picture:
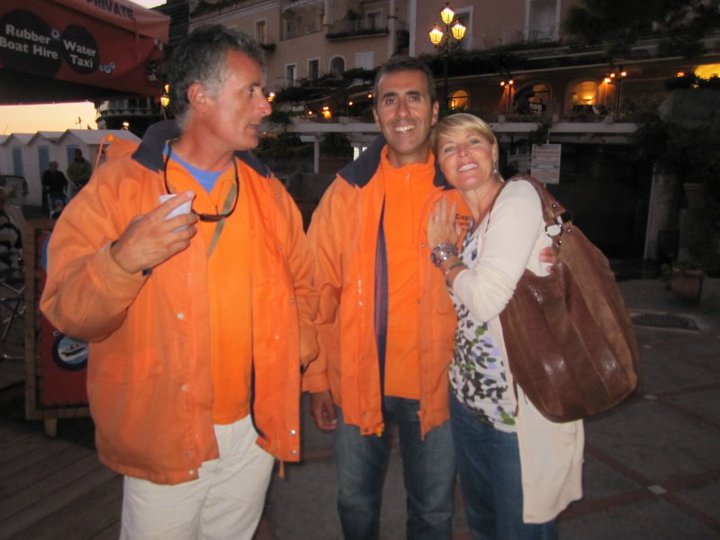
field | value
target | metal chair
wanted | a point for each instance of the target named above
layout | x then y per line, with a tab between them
12	288
12	282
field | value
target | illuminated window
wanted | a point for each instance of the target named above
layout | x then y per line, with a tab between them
459	100
532	98
708	71
584	93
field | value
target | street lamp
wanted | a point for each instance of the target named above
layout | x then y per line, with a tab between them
445	39
508	85
616	77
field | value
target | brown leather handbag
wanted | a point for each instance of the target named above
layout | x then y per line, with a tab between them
570	342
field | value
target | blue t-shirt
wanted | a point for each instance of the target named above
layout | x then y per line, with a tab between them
206	179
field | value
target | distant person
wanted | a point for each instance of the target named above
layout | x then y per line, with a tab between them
57	208
54	187
79	172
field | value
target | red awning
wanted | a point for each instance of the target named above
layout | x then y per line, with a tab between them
64	50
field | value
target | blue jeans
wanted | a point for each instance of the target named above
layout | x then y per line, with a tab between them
428	471
489	468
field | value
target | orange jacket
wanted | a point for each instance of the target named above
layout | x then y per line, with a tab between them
351	280
149	375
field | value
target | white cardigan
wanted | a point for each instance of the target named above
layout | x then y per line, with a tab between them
510	240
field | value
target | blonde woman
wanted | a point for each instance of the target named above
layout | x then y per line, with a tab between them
518	470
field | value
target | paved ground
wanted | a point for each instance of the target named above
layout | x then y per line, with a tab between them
652	468
652	465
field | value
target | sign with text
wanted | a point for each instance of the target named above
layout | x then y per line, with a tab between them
112	44
545	162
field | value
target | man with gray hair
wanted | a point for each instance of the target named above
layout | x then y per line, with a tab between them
199	322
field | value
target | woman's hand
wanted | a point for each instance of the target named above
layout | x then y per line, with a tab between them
442	228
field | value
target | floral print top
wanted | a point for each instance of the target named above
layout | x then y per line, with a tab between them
477	375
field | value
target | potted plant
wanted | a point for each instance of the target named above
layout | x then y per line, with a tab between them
685	279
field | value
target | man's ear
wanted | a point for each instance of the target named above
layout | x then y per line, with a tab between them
435	113
197	97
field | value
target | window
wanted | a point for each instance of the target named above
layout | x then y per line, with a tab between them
260	31
290	28
542	20
365	60
465	17
459	100
532	98
313	69
43	157
707	71
337	65
542	96
290	74
374	20
17	162
293	26
584	93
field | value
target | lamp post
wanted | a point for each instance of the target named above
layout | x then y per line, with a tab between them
444	38
165	100
508	85
616	77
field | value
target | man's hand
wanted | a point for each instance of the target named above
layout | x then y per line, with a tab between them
547	256
322	409
150	239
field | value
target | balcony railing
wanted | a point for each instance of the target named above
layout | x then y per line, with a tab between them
359	27
298	30
534	34
540	33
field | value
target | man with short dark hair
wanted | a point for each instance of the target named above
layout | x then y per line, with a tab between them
198	322
79	172
385	322
54	187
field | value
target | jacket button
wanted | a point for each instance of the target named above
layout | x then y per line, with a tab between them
294	453
183	387
181	316
293	432
192	472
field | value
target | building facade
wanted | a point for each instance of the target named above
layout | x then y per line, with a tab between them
513	67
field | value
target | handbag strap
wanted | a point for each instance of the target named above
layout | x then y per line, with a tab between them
554	214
